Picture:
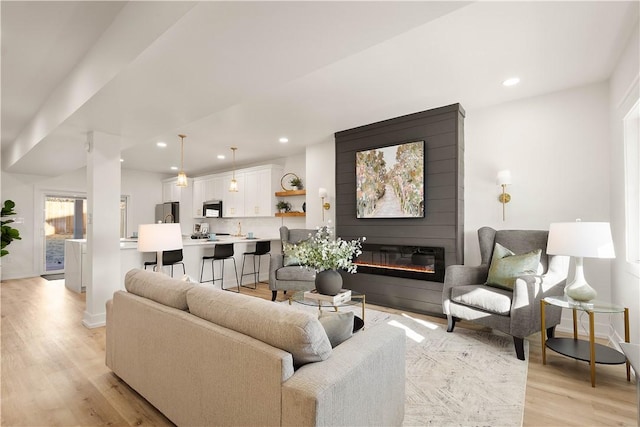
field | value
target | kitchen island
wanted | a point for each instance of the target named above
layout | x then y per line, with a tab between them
193	251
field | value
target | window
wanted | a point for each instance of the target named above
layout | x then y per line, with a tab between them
124	201
632	183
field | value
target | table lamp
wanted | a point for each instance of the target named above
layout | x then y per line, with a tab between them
159	238
579	240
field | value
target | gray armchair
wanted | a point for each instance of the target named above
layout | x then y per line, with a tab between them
517	312
292	276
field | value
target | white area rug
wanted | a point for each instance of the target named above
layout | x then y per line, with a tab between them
463	378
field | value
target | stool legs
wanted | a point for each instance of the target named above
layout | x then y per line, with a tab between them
213	274
255	273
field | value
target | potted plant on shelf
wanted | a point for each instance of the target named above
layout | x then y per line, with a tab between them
326	255
283	206
296	183
8	233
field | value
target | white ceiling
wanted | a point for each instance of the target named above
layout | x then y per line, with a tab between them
246	73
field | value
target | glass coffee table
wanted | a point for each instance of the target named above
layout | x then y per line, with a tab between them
356	298
588	351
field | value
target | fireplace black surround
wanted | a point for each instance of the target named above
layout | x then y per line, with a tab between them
442	130
411	262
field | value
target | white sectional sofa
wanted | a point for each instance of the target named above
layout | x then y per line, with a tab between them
206	357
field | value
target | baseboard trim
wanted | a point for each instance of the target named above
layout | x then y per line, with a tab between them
94	321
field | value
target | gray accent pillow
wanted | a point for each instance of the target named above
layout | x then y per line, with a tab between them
338	326
158	287
293	331
507	266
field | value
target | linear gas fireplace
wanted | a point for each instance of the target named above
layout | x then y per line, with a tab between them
411	262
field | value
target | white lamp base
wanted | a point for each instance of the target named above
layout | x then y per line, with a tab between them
579	289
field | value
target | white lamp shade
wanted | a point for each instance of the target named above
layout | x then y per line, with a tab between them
581	239
159	237
322	192
504	178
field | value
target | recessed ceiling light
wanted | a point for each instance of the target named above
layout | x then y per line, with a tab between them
284	140
161	144
511	82
221	156
121	160
174	168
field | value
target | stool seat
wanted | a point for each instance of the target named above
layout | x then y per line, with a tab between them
262	248
221	252
168	258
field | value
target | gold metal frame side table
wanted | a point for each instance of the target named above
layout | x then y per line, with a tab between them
588	351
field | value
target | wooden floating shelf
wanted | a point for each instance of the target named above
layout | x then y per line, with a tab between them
291	193
290	214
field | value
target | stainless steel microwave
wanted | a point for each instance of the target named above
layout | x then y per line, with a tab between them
212	209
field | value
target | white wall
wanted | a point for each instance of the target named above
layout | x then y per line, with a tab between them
25	256
320	159
624	92
557	147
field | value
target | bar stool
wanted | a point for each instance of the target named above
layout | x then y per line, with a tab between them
168	258
262	248
221	252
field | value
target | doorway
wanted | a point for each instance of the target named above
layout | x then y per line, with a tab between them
65	218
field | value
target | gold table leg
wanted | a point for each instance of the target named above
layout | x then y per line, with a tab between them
626	339
592	349
543	332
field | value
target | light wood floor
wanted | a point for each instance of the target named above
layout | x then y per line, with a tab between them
53	371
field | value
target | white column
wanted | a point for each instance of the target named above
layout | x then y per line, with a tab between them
103	225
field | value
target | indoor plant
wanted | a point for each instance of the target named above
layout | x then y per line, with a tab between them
283	206
326	255
296	183
8	233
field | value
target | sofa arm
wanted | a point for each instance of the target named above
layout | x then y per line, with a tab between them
525	306
460	275
362	383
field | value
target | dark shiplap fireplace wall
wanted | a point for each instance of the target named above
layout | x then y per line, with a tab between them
442	130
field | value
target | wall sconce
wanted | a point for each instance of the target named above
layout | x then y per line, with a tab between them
322	192
503	179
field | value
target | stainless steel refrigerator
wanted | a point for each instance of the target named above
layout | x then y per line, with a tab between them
168	212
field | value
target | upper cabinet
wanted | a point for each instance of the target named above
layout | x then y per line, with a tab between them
170	191
255	195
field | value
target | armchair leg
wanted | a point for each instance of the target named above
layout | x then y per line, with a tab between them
273	295
551	332
451	323
519	344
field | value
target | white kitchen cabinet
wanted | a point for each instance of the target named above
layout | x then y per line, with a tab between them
233	202
170	191
259	197
199	197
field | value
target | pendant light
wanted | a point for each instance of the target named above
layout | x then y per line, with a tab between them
233	186
182	177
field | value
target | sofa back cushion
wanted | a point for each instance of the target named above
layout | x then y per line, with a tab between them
158	287
280	326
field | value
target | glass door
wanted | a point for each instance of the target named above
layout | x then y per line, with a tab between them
65	218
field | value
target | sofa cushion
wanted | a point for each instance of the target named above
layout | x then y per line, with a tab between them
338	326
493	300
296	272
158	287
507	266
296	332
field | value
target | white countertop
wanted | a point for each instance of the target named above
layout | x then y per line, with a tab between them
187	241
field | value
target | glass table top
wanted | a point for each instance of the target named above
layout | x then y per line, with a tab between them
298	296
593	305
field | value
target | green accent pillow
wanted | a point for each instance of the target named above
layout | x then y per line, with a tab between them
289	260
507	266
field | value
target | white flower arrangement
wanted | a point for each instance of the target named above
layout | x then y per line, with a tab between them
323	252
